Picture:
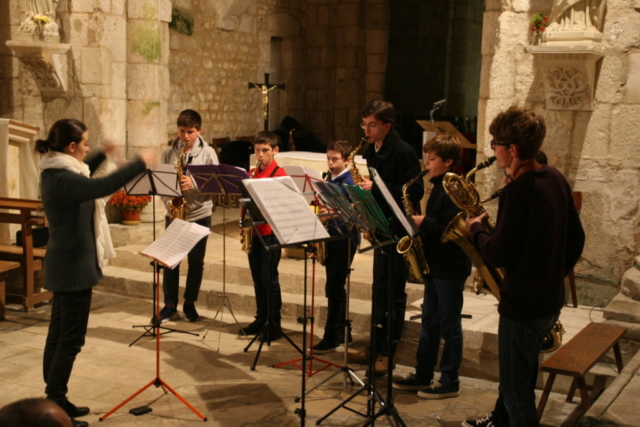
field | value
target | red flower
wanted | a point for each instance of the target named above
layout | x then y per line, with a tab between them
121	200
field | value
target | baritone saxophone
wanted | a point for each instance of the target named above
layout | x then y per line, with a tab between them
465	195
411	248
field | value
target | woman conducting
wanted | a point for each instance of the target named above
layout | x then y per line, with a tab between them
79	243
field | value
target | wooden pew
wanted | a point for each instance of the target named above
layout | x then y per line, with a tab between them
5	267
576	358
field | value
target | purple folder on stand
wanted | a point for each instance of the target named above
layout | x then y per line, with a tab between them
217	179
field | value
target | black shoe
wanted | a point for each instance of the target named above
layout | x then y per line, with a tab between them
76	411
76	423
253	328
411	383
341	338
488	420
190	313
438	390
326	346
270	334
168	312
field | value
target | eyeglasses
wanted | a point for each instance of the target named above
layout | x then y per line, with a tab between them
494	144
371	125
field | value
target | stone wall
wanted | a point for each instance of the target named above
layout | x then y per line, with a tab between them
420	70
597	150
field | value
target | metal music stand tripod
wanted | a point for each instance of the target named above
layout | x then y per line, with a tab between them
160	181
221	180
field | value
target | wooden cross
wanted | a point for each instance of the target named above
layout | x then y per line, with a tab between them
265	88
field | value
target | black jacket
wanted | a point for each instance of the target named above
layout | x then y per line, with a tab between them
70	263
446	260
396	163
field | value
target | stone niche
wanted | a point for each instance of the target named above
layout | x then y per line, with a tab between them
47	62
569	74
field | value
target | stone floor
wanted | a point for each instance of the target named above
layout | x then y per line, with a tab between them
213	374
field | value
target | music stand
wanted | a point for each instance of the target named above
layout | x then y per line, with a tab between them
220	180
162	180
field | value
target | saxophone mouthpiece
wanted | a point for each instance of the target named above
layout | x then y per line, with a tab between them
487	163
423	173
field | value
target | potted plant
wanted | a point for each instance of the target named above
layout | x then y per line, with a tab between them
539	22
130	206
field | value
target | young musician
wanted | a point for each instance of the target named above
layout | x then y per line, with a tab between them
79	244
190	149
449	268
339	255
262	262
537	241
396	163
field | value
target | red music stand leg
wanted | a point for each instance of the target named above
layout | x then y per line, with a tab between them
157	381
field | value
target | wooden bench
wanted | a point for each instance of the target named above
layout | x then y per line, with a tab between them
5	267
576	358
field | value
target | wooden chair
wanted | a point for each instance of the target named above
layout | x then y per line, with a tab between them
5	267
577	202
576	358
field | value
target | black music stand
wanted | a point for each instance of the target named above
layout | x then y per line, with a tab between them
221	180
162	180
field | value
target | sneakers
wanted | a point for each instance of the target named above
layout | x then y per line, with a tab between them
487	421
438	390
169	312
380	367
190	312
410	383
360	357
253	328
326	346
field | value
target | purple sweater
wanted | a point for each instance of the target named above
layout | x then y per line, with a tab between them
538	239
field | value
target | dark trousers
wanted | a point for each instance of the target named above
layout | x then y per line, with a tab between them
67	331
264	272
519	344
389	270
337	266
171	278
441	319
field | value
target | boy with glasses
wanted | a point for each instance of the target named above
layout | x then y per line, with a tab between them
396	163
537	241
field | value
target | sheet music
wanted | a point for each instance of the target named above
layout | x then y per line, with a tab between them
285	209
409	228
164	178
304	179
176	242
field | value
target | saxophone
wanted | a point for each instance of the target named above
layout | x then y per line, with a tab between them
246	232
465	195
178	205
411	248
357	178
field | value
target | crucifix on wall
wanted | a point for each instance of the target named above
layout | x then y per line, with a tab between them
265	88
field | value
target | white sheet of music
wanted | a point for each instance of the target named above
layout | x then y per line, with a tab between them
409	228
304	177
176	242
285	209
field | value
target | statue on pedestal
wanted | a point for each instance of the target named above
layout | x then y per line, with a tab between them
40	23
577	15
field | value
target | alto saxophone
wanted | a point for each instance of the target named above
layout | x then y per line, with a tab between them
246	232
411	248
357	178
465	195
178	205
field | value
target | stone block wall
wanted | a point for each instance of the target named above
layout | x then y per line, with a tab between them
598	151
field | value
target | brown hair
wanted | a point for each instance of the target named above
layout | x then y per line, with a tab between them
267	137
189	119
445	146
62	133
381	110
342	147
520	127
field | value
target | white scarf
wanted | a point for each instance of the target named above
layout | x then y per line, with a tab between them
104	245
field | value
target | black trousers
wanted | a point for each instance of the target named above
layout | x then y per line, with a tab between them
337	266
264	272
171	278
66	336
389	271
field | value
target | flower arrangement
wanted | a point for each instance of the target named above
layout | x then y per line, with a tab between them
130	203
41	19
539	22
